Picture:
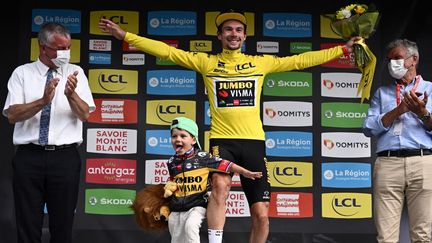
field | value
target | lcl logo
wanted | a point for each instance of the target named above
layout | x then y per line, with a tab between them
116	19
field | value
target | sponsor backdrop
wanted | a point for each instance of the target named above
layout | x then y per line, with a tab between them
320	164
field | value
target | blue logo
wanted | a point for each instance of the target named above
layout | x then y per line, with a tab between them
159	142
289	144
99	58
171	82
172	23
287	25
71	19
206	113
346	175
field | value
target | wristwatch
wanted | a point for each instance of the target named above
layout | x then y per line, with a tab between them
426	117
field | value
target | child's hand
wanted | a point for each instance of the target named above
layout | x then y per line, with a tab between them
252	175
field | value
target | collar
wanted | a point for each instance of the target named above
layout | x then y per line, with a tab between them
231	54
43	69
188	154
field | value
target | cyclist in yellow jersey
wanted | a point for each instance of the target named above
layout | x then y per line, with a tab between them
234	83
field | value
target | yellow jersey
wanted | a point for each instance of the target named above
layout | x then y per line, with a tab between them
233	81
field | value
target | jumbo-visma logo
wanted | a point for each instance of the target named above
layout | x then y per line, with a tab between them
113	81
109	201
346	205
162	112
290	174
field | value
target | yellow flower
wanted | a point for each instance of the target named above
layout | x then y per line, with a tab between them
359	9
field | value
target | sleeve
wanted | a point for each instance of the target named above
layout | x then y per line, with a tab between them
83	88
217	164
372	124
15	91
192	60
301	61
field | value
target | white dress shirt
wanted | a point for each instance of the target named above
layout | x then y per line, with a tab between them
27	84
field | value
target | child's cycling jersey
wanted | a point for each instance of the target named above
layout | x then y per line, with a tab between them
191	173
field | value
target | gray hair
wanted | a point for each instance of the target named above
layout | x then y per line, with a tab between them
48	30
409	46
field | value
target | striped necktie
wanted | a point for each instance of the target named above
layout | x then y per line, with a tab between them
45	116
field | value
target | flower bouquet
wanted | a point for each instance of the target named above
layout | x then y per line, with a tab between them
358	20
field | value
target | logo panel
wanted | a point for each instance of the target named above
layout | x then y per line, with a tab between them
287	84
346	175
340	85
111	141
71	19
171	23
345	145
113	81
127	20
156	171
343	114
158	142
109	201
110	171
346	205
171	82
162	112
287	113
289	144
291	205
290	174
287	25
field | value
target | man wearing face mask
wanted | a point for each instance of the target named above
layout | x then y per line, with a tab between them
47	101
399	117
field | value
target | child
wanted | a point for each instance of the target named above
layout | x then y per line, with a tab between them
189	168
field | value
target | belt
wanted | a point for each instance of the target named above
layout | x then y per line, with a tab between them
48	147
405	152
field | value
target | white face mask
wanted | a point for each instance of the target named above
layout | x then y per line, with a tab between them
63	57
397	68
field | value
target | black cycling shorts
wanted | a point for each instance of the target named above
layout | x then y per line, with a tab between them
249	154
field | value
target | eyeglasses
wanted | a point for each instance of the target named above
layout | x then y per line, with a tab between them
397	58
58	49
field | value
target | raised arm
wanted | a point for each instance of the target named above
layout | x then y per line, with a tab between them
108	26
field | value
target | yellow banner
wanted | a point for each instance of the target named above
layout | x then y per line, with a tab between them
346	205
290	174
162	112
113	81
127	20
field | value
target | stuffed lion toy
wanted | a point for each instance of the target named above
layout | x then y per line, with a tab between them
151	206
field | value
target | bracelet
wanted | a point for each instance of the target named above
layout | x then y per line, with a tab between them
345	50
426	117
